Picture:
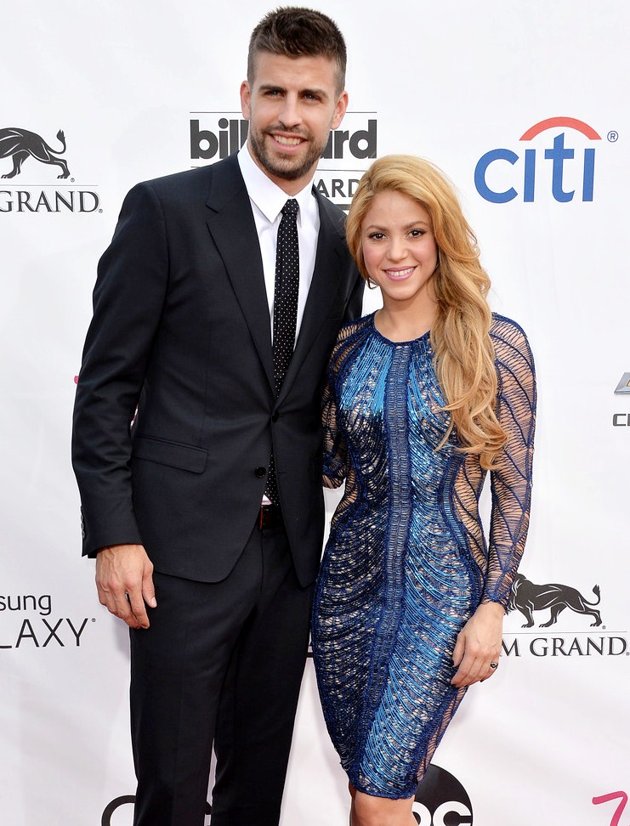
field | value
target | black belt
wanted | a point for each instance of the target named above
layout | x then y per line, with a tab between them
269	516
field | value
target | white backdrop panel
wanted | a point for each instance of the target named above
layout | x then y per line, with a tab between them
449	81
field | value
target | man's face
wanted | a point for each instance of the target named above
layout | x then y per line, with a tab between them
291	105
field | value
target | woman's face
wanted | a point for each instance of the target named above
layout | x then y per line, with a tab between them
398	246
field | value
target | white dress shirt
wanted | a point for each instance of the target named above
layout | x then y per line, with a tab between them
267	200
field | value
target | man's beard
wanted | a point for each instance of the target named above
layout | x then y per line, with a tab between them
284	168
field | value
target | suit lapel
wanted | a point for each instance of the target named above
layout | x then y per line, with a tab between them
325	285
231	224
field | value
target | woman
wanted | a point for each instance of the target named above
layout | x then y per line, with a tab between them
423	397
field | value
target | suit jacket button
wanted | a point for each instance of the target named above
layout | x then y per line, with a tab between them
275	417
260	472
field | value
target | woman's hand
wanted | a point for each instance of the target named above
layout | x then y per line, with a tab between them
478	646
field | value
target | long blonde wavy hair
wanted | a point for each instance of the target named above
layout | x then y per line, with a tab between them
460	337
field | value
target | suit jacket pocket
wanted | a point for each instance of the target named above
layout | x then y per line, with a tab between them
173	454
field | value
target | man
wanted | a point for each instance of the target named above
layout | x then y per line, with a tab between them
206	514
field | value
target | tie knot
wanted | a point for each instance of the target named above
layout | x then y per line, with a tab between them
290	209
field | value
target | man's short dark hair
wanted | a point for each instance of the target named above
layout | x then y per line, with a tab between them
298	32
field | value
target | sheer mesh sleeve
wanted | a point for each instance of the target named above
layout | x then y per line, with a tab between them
335	446
512	477
335	466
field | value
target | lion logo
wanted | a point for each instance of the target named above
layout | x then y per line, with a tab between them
21	144
528	597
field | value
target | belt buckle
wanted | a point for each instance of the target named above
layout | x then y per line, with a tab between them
267	516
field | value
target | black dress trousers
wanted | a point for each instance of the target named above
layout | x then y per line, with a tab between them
222	662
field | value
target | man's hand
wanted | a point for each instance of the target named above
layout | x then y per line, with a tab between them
478	645
124	581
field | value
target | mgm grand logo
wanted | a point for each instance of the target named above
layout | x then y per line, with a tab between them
20	145
552	599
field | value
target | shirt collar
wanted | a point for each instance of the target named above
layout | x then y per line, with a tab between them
268	197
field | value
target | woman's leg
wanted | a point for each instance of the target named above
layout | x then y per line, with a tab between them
367	810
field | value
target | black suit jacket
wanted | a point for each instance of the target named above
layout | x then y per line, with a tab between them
180	343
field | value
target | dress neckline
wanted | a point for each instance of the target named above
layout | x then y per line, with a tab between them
423	337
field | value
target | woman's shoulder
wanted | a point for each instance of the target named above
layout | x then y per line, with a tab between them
354	329
509	339
349	336
501	325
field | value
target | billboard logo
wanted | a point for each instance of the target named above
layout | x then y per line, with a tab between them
341	165
20	144
501	175
227	137
230	134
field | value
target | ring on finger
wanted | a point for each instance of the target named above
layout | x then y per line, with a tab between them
494	666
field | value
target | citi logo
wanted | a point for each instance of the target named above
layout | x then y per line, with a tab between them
219	137
501	175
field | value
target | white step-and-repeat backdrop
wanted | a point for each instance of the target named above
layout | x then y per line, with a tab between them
525	106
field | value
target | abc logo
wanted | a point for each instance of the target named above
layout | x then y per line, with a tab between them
441	800
107	818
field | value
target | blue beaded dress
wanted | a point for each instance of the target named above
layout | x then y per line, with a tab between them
406	563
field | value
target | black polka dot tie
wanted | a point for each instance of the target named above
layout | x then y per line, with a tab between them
285	297
285	302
